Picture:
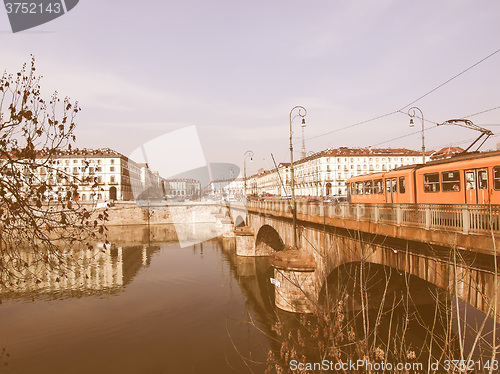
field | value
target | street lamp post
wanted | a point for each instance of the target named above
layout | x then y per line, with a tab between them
412	115
301	113
247	154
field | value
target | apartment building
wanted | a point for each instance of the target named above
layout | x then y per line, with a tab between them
324	173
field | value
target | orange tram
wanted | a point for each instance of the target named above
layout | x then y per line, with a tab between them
472	178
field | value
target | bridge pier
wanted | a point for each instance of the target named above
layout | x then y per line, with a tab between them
245	241
228	241
295	281
223	224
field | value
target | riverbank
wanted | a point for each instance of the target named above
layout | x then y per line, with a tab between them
126	213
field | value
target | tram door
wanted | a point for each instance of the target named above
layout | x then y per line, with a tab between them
476	186
390	190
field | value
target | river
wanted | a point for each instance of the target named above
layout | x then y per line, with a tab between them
154	308
149	306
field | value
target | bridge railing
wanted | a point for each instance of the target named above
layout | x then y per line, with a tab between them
466	218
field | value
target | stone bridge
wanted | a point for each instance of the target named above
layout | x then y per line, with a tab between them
457	256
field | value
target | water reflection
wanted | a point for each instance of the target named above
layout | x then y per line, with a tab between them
151	306
143	308
104	269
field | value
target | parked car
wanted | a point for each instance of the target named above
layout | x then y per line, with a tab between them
313	200
335	199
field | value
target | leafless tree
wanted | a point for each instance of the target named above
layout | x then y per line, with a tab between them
38	226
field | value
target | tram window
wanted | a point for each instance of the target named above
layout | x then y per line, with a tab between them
431	182
368	187
359	188
402	186
471	180
496	178
451	181
388	185
378	188
353	190
394	185
482	180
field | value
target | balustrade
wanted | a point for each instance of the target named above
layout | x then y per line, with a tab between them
468	218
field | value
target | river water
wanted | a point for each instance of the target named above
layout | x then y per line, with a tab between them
151	308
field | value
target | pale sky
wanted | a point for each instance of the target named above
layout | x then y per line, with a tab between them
234	69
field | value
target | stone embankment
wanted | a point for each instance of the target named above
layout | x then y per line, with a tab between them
128	213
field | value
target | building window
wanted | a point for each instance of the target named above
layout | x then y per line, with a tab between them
112	179
112	168
112	161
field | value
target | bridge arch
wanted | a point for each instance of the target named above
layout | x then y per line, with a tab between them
239	221
267	241
384	286
389	304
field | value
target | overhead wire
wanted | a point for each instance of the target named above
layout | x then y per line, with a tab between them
413	102
451	79
462	142
353	125
484	111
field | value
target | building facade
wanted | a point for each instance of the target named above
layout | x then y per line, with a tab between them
182	188
226	189
324	173
98	175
